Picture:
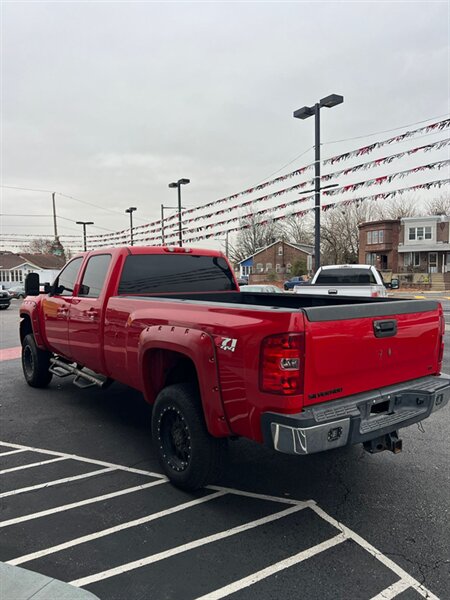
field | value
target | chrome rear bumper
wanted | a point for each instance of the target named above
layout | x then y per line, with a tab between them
356	419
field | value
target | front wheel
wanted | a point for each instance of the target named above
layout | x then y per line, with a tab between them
190	456
35	363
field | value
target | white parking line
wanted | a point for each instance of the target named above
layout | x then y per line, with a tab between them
55	482
405	581
393	590
57	509
12	452
99	534
29	466
136	564
387	562
92	461
236	586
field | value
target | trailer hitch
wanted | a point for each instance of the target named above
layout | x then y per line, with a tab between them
390	441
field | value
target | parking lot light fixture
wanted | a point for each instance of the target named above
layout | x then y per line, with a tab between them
84	223
303	113
131	211
178	184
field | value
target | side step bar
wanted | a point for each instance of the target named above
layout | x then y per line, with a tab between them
83	379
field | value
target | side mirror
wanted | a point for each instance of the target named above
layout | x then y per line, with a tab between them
395	284
32	284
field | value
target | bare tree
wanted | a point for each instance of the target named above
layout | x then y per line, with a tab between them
398	208
39	246
256	232
340	232
299	230
439	205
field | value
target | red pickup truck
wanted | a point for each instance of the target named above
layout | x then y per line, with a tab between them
301	374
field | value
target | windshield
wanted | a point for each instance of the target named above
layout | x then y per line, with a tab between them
346	277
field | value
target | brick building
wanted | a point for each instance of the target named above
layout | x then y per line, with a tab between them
378	244
276	260
417	249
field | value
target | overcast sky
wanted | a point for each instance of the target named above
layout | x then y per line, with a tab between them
109	102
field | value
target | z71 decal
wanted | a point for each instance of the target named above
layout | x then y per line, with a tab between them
228	344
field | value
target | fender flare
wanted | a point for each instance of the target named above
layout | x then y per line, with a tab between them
29	309
199	347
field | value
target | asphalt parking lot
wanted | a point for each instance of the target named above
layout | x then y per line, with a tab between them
83	500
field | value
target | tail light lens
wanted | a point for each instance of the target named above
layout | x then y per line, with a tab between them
281	366
441	338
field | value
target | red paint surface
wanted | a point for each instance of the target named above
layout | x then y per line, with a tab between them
10	353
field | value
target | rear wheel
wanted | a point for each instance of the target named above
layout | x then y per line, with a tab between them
35	363
189	455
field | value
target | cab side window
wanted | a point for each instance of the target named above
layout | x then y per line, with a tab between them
65	281
94	276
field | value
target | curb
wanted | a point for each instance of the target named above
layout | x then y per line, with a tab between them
21	584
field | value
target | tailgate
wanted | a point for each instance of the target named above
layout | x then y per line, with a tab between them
360	347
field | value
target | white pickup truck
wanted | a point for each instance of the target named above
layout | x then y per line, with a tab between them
345	280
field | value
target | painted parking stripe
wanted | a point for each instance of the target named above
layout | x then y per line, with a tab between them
57	509
387	562
393	590
31	465
136	564
91	461
10	353
13	452
55	482
296	505
273	569
98	534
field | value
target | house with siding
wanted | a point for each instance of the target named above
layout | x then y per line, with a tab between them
15	267
277	258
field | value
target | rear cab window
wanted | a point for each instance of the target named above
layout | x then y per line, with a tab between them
346	277
175	273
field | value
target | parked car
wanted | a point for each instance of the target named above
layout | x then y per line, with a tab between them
5	300
291	283
346	280
266	289
17	291
243	280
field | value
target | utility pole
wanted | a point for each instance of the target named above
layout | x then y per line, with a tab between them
55	229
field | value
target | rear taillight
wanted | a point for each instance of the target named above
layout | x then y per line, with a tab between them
281	366
441	339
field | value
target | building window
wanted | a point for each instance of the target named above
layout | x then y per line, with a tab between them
268	267
259	268
375	237
371	258
288	268
280	250
412	259
278	268
420	233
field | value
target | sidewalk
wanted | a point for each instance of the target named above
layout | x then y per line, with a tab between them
19	584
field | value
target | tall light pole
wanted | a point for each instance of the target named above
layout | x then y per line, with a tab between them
163	238
84	223
178	185
131	211
304	113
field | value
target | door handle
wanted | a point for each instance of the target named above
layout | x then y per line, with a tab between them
384	329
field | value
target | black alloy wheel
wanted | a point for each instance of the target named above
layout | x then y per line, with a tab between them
190	457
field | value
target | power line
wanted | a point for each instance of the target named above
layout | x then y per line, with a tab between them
116	212
360	137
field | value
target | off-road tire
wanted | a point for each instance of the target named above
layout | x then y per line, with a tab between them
35	363
190	457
